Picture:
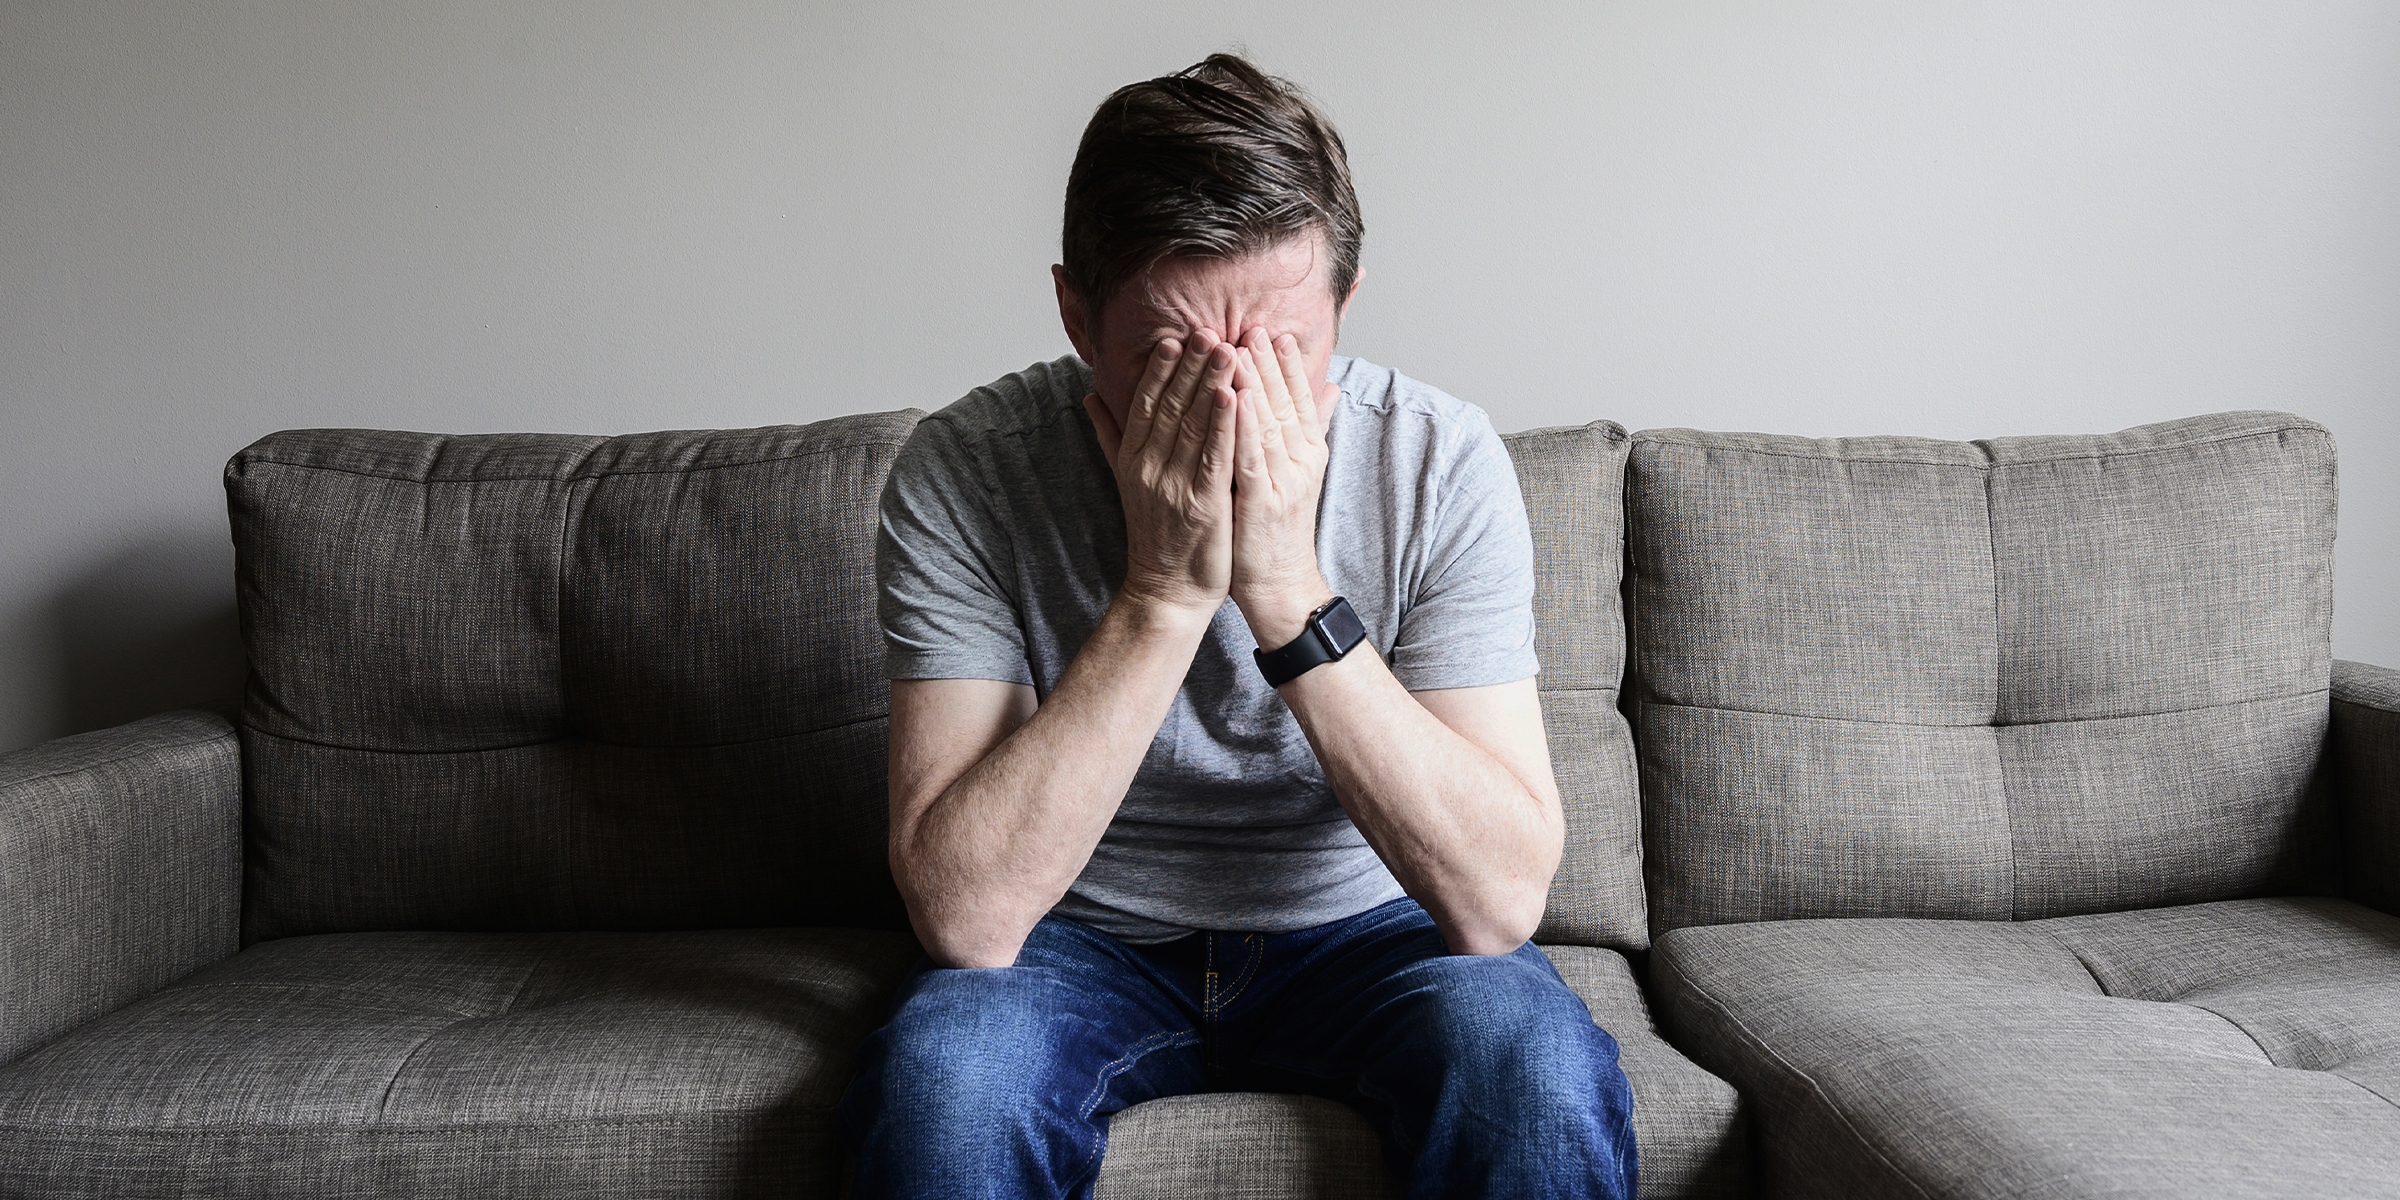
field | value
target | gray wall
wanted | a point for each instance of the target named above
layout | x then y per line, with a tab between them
1958	219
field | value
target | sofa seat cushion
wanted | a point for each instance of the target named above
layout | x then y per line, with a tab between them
2244	1048
1687	1123
434	1064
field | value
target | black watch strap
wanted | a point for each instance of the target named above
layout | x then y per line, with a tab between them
1333	631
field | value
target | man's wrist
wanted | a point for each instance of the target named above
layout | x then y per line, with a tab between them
1150	611
1278	617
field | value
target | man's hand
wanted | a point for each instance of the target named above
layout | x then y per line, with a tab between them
1174	462
1278	471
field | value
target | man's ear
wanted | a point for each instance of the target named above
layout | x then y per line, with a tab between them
1072	314
1344	314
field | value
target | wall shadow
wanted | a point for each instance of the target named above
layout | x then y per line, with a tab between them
144	630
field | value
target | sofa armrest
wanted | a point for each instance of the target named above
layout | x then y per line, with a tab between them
2363	749
120	869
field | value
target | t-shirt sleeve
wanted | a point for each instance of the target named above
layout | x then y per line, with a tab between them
1470	622
942	563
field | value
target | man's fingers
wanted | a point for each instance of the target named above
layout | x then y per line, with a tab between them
1216	457
1250	425
1272	382
1294	369
1104	423
1142	414
1176	396
1273	450
1200	417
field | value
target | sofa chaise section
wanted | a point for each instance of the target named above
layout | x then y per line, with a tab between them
1990	851
2244	1048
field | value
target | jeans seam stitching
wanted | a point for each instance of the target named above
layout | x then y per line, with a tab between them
1166	1040
1258	951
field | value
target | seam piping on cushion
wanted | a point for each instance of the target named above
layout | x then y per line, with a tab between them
379	999
1991	466
1810	1081
2375	1092
2171	712
799	733
2244	1030
2008	803
576	489
540	960
741	1118
2080	960
568	478
383	1103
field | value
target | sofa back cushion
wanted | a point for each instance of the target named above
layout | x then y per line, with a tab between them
1573	479
531	681
2016	678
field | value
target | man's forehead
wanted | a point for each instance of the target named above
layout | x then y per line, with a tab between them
1180	294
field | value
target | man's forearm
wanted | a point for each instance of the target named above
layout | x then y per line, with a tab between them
998	845
1469	839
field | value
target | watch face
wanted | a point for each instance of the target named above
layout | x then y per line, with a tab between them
1340	627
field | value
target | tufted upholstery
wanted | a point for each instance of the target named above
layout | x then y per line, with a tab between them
2018	678
535	681
2242	1048
414	1064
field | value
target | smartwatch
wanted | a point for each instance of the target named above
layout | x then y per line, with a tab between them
1333	631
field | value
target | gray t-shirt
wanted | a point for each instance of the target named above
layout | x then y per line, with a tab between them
1002	541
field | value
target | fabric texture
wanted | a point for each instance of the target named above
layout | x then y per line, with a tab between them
1002	543
1573	481
532	681
120	869
1484	1075
462	1064
2364	746
1244	1146
2238	1049
2024	677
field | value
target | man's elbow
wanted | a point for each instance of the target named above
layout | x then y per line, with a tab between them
967	953
954	939
964	943
1503	926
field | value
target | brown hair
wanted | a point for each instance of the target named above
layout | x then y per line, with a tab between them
1218	160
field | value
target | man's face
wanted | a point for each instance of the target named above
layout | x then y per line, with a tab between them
1281	290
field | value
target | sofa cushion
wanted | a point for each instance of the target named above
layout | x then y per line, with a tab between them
426	1064
532	681
2245	1048
1573	480
2020	678
1688	1124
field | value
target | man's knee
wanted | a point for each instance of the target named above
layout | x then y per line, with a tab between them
975	1044
1518	1049
1495	1012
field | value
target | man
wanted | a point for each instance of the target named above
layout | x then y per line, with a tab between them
1216	758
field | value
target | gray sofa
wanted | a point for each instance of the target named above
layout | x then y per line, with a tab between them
1974	819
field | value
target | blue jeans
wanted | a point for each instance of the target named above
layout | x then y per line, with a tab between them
1485	1075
